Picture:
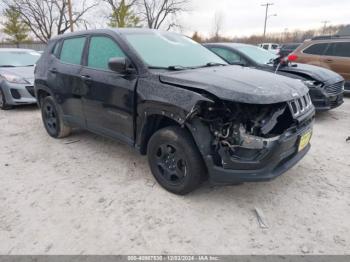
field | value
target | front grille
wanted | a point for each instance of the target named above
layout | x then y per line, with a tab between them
300	105
30	90
335	89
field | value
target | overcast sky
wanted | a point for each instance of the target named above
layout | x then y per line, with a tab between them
245	17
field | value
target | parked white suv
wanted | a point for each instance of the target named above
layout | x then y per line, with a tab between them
271	47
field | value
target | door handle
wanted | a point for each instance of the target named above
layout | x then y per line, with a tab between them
329	60
53	70
85	78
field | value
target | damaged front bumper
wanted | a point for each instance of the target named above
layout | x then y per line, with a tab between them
328	96
323	101
281	155
251	143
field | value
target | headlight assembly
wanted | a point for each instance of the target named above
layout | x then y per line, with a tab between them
312	83
11	78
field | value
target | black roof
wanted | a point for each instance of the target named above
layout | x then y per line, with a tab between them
120	31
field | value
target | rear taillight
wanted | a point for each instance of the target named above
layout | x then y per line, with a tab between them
292	58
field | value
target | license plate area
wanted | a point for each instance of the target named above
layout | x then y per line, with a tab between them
304	140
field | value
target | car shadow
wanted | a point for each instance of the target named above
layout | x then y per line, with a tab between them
125	153
24	108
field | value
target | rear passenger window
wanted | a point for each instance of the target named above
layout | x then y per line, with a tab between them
72	50
341	49
101	50
316	49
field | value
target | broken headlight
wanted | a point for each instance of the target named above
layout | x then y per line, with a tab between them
313	84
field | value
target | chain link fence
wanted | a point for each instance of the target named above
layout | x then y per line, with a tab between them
34	46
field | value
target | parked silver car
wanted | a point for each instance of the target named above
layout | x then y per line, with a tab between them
17	76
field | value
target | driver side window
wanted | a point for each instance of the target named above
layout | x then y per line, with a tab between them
101	49
230	56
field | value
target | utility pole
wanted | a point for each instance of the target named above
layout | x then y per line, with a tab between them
325	25
69	2
267	5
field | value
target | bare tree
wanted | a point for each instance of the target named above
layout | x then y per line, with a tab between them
218	24
157	12
46	18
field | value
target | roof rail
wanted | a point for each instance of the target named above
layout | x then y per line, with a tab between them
326	37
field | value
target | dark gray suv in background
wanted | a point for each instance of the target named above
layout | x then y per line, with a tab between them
195	116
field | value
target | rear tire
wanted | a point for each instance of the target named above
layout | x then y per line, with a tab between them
3	103
52	119
175	160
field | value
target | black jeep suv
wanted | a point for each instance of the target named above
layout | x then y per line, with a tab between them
195	116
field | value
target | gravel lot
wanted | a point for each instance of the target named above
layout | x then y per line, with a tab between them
89	195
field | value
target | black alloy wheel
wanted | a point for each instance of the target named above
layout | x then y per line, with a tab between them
175	161
171	164
52	119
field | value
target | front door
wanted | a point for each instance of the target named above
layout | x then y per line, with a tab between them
109	98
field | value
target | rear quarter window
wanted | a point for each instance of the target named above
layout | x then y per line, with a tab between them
340	49
316	49
72	50
56	49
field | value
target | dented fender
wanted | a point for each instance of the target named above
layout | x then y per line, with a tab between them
167	100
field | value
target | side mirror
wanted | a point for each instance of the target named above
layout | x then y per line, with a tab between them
119	65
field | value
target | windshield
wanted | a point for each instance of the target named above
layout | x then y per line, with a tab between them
164	50
18	58
258	54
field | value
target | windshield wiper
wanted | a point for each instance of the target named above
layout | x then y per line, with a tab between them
7	66
172	68
211	64
274	61
271	62
178	68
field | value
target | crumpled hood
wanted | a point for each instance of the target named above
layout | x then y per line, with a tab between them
25	72
240	84
321	74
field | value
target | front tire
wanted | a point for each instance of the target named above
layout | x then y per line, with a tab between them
3	102
52	119
175	160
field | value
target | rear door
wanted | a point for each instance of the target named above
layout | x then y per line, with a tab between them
337	57
109	100
64	78
312	54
